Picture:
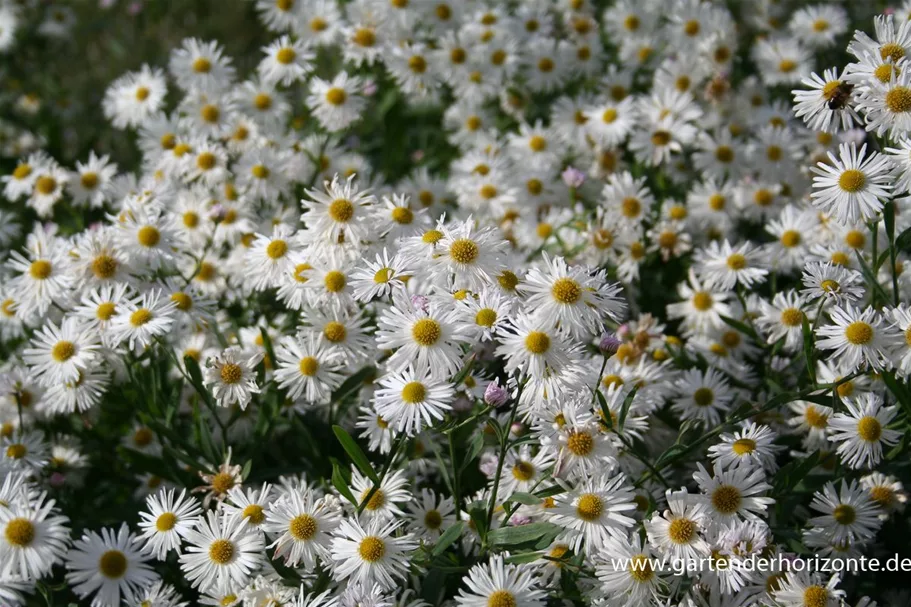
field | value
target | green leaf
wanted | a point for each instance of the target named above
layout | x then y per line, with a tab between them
524	498
903	242
338	481
464	371
355	453
451	534
195	374
527	557
808	347
740	326
352	384
624	409
245	472
478	514
605	410
522	534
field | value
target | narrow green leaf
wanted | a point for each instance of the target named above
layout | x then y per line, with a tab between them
740	326
521	534
245	472
355	453
527	557
449	536
338	481
478	514
524	498
809	351
624	409
195	374
474	449
605	410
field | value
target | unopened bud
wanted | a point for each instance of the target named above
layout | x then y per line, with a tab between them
495	395
573	177
609	344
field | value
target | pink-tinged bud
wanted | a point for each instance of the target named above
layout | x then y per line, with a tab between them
889	10
488	464
420	303
519	519
609	344
135	8
495	395
217	213
573	177
369	89
57	480
417	156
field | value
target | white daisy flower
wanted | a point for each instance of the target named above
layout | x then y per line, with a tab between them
499	584
848	515
302	524
370	553
336	104
33	537
861	432
308	368
109	566
677	532
166	520
221	550
858	338
851	187
734	494
60	354
232	377
593	512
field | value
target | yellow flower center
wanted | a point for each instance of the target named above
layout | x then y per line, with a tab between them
859	333
852	180
869	429
791	317
303	527
372	549
285	55
40	269
537	342
681	531
364	37
703	397
815	596
485	317
308	366
580	443
589	507
726	499
335	281
231	373
148	236
202	65
566	291
277	249
46	185
743	446
210	113
113	564
426	332
463	251
222	482
166	521
260	171
63	351
140	317
502	598
737	261
221	552
20	532
414	392
898	99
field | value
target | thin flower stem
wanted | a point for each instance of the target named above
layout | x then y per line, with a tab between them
376	486
504	447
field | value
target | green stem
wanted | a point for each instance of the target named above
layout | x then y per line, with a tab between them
376	486
504	447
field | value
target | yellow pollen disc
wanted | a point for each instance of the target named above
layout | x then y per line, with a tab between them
566	291
7	308
829	88
433	520
254	513
180	149
335	332
221	552
498	57
45	185
168	141
335	281
702	301
869	429
774	153
661	138
641	569
443	12
183	301
277	249
859	333
140	317
143	437
815	596
202	65
463	251
371	549
537	342
546	65
523	471
737	261
414	392
89	180
502	598
206	161
364	37
222	482
262	101
891	51
382	276
667	240
580	443
341	210
22	171
16	451
231	373
743	446
703	397
763	197
791	317
228	600
681	531
691	27
417	64
726	499
190	219
537	143
285	55
724	153
485	317
844	514
112	564
40	269
852	181
884	496
260	171
426	332
717	202
488	191
898	99
840	258
148	236
631	207
303	527
308	366
166	521
508	280
402	215
210	113
787	66
589	507
63	351
432	237
884	72
815	419
790	238
20	532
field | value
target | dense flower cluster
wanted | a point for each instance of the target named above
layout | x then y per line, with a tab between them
645	301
